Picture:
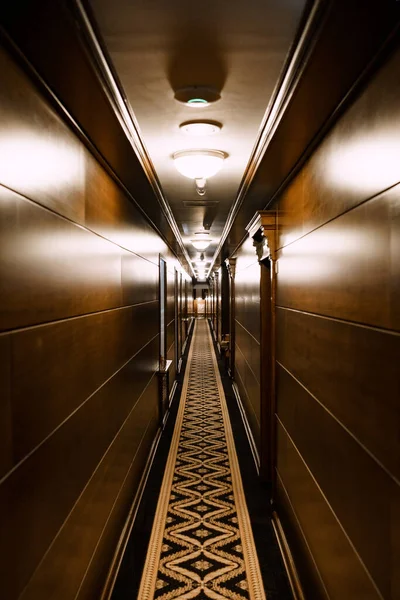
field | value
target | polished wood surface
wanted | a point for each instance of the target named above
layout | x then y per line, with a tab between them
357	361
58	41
54	475
85	352
333	570
79	350
6	453
356	487
351	35
347	160
338	348
347	269
116	476
247	334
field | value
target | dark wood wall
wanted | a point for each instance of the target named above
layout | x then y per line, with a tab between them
79	349
247	334
338	324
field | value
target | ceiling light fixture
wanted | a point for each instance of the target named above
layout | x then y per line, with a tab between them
201	240
200	128
197	96
199	164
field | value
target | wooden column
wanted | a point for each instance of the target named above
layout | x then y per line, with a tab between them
217	308
231	267
262	229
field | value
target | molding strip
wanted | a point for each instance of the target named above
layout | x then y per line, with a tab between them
130	521
130	125
287	558
273	114
249	433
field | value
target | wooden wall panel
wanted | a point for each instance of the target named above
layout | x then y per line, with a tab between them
320	532
338	346
79	305
362	495
5	405
53	477
347	268
348	167
67	271
40	157
250	349
249	389
85	352
100	509
358	363
247	334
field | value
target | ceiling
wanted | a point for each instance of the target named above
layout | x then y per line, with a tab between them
240	48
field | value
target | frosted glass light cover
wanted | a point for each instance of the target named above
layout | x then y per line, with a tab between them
201	240
199	164
201	244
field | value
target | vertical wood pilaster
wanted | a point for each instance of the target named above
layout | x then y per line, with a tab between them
262	229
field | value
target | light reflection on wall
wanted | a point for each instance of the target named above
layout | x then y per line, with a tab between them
73	255
370	164
321	255
29	161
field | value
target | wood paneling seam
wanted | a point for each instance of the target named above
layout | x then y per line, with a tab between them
84	489
17	330
128	526
321	133
19	463
293	68
245	391
247	331
80	225
302	533
329	506
338	216
73	124
350	433
247	266
116	498
254	375
338	320
247	428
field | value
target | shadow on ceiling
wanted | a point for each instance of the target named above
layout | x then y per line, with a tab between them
196	59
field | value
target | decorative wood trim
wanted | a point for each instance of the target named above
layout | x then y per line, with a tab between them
249	433
231	266
129	523
275	110
287	558
128	122
262	229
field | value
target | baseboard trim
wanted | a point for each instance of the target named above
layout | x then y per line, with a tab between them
126	532
287	558
170	399
249	433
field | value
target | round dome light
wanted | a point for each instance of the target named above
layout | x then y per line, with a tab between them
197	96
200	128
199	164
202	240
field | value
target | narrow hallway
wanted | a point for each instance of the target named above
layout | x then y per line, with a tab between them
199	250
201	543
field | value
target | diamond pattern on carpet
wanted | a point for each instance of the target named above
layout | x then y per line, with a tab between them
201	545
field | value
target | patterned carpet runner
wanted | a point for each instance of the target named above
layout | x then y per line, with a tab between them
201	544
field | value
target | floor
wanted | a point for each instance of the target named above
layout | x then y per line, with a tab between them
203	543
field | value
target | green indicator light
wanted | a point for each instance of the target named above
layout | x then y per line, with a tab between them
197	101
